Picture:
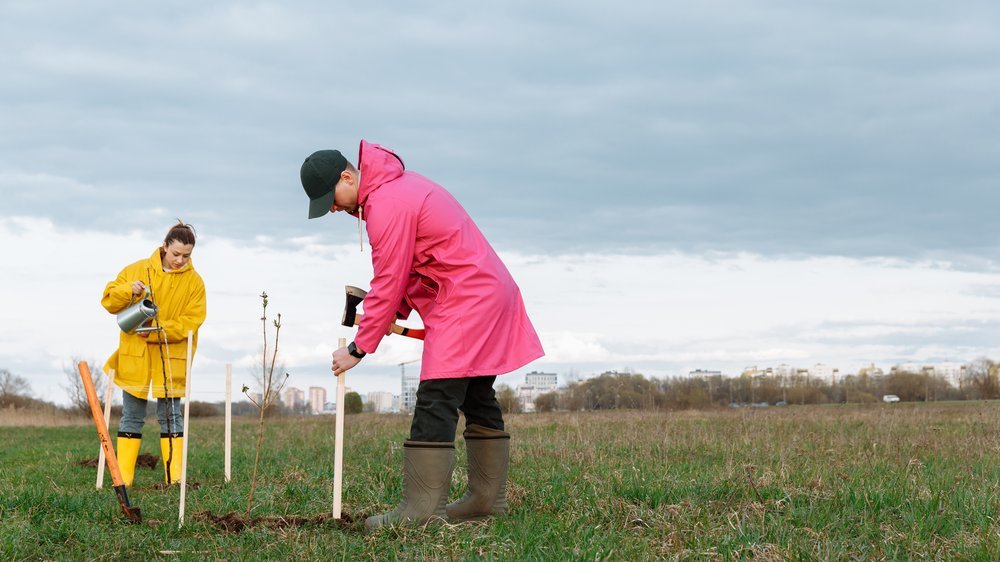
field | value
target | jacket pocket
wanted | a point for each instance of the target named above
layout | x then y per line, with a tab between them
132	364
430	287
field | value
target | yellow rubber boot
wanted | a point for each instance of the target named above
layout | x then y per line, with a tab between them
171	446
127	453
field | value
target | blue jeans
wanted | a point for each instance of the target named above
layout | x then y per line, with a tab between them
134	416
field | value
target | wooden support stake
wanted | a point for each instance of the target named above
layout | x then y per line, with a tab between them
187	430
107	420
229	420
338	448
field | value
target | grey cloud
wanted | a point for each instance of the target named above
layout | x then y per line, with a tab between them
775	127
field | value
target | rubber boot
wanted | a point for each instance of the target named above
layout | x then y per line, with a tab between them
171	474
127	453
426	479
488	451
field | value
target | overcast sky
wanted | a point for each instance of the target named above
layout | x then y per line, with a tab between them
674	185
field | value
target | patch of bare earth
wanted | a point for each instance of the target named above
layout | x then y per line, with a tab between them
233	522
144	460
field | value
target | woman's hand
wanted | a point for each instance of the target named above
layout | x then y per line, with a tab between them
138	289
343	361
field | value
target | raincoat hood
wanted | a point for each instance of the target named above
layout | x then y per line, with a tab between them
156	263
377	165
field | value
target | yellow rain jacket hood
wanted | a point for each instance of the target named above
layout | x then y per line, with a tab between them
180	296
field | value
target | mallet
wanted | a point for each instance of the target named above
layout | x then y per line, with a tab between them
352	318
132	513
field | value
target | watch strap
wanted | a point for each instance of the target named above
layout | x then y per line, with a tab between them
355	352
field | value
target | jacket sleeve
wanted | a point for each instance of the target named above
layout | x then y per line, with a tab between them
190	319
392	230
118	293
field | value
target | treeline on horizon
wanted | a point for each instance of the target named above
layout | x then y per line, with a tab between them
615	390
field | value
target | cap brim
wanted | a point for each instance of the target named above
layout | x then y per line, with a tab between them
321	206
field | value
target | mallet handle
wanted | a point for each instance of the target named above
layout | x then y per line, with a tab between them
415	333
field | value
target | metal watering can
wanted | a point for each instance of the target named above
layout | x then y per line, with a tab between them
130	319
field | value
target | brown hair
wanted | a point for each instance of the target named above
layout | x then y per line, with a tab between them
181	232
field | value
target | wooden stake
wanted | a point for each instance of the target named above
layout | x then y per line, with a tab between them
229	419
107	420
338	448
187	430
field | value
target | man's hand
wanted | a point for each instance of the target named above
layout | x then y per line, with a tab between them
343	361
138	288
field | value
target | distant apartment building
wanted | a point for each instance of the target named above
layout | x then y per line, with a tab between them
535	385
953	373
293	397
915	368
547	382
704	373
317	399
408	391
752	372
380	402
824	373
784	370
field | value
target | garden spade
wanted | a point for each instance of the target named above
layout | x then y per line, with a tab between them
132	513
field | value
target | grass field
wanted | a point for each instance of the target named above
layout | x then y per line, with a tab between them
901	482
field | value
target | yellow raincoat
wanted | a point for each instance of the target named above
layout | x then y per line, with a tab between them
180	296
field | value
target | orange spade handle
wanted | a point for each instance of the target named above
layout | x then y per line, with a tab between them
132	513
102	429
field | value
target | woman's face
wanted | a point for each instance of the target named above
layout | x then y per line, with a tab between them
176	255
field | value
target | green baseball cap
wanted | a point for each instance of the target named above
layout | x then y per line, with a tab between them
320	174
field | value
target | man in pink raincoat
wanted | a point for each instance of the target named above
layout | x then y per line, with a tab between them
429	256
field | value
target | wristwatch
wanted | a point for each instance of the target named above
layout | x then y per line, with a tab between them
354	351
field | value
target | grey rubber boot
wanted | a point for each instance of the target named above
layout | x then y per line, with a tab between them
489	457
426	478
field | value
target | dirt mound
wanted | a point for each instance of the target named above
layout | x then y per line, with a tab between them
144	460
164	486
233	522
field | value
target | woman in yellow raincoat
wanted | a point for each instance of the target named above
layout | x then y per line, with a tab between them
156	359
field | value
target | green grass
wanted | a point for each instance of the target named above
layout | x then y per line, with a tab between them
900	482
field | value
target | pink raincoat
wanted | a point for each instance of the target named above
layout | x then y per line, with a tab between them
429	256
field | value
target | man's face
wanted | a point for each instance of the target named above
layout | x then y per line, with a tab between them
345	193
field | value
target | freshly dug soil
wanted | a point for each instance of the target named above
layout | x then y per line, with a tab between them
191	485
145	460
233	522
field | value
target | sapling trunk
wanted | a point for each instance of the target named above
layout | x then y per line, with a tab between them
268	392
